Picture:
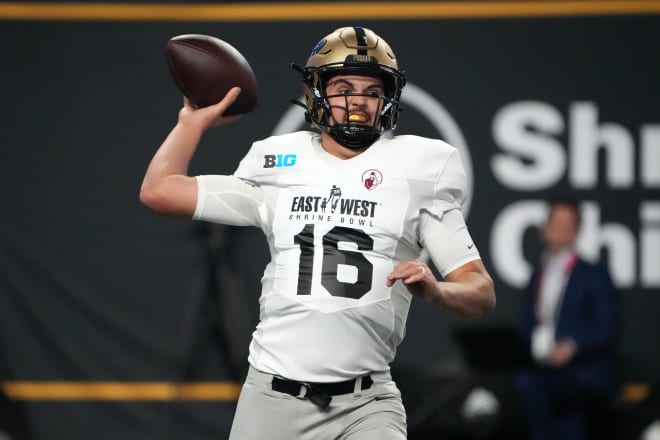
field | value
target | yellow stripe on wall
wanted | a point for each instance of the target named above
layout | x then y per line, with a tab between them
108	391
168	391
315	11
635	392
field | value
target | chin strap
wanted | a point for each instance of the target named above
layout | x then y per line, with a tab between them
354	136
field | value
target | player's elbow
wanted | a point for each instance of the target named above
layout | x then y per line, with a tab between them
156	198
174	195
152	198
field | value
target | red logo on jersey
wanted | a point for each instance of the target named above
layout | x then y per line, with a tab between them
371	179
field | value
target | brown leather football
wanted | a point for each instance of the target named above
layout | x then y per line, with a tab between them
205	68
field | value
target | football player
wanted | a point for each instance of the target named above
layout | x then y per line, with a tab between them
343	272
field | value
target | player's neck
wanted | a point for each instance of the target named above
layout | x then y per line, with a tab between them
333	148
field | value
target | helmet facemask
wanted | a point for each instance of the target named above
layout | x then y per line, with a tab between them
352	51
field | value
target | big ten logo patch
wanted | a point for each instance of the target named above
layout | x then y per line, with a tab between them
279	160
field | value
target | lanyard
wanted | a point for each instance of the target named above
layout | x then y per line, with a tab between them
569	264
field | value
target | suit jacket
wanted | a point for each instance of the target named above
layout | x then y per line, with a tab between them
588	314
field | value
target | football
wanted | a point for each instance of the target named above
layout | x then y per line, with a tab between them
205	68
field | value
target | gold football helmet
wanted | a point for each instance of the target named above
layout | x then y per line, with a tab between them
352	51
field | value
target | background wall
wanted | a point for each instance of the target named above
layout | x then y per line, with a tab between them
95	290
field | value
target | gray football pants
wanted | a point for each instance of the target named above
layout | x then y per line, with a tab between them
376	413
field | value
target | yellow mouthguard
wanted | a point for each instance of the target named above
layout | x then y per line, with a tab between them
357	118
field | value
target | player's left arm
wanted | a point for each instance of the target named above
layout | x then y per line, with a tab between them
466	289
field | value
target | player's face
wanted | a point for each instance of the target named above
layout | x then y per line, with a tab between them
354	99
561	228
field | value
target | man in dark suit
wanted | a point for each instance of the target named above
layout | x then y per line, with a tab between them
569	324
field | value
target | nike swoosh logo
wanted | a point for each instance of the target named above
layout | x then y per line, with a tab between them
470	246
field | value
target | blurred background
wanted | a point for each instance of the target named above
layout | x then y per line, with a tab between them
117	323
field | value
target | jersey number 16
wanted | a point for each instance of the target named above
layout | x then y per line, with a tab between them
333	257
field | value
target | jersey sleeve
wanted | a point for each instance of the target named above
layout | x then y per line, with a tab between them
247	197
229	200
232	200
450	190
447	240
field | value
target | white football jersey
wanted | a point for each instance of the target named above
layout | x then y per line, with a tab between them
336	228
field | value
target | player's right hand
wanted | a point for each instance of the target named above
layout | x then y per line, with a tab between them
210	116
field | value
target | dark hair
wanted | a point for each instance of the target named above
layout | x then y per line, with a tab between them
569	202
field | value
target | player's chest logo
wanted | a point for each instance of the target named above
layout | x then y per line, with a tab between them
333	202
372	179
